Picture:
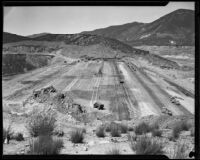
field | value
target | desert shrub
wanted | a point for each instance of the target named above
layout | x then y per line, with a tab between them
180	152
115	130
100	132
124	128
130	129
45	145
41	123
107	127
142	128
156	133
185	125
175	132
19	137
148	146
154	126
192	131
132	139
77	135
113	151
178	127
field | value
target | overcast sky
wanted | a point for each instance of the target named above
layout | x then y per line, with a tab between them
74	19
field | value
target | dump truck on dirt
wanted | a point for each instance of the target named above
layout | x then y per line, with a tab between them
99	106
174	100
166	111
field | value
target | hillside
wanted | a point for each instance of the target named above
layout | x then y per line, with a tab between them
87	40
9	37
174	28
37	35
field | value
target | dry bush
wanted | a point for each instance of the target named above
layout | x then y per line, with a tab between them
100	132
115	130
41	123
185	125
154	126
180	152
45	145
77	135
107	127
124	128
18	137
178	127
147	146
132	139
142	128
156	133
113	151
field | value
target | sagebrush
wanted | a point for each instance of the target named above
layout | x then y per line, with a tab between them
45	145
180	151
147	146
41	123
77	135
113	151
100	132
142	128
115	130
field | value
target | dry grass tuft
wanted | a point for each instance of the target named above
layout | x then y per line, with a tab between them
180	126
142	128
77	135
115	130
41	123
45	145
113	151
147	146
180	152
124	128
100	132
156	133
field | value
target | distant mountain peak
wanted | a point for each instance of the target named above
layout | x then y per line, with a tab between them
177	26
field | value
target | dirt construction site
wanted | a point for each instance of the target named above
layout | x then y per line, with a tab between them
120	89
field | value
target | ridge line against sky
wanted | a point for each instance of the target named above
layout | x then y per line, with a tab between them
75	19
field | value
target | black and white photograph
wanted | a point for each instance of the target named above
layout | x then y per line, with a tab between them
99	80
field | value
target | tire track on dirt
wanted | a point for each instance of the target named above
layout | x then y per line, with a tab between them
45	79
157	89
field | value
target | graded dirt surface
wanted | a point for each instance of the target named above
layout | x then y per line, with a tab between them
130	89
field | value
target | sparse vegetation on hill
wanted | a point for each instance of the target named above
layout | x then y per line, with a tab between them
177	26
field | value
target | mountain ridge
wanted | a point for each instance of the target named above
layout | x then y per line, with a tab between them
176	27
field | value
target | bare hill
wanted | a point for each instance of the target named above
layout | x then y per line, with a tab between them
174	28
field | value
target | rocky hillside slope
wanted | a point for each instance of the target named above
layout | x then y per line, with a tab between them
176	27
